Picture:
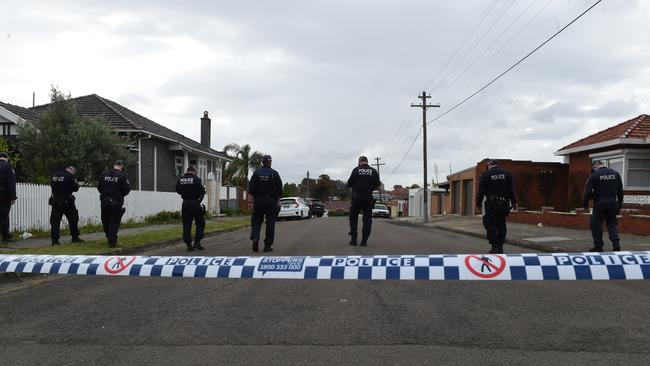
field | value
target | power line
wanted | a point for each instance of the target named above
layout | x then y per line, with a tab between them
514	65
405	155
503	32
467	38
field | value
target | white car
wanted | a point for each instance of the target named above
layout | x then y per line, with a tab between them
293	207
381	211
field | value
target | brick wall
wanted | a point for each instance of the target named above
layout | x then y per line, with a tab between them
537	184
631	224
165	165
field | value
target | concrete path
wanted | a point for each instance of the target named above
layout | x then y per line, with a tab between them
545	238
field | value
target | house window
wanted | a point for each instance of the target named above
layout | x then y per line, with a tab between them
614	163
638	173
178	166
202	169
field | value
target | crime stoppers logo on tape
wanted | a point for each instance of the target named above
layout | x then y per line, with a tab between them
526	266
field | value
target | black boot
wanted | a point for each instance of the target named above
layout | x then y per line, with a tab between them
500	249
494	249
268	248
112	244
364	242
77	240
55	242
197	245
189	247
596	248
256	245
616	246
353	241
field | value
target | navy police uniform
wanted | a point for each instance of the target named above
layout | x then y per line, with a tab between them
7	195
191	189
363	180
113	185
496	187
266	188
605	186
63	184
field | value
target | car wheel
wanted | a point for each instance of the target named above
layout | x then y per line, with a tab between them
300	216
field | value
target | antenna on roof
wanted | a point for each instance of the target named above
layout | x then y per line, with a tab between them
33	99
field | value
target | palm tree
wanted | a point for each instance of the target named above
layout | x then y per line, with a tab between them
243	162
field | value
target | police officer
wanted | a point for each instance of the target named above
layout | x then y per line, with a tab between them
264	189
63	184
606	188
496	187
7	194
191	189
113	185
363	180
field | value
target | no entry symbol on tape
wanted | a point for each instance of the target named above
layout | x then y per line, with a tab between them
115	265
485	266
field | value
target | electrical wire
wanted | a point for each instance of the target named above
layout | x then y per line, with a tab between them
514	65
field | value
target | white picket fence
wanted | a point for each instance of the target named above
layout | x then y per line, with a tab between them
31	210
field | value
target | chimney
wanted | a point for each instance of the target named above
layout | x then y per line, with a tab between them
205	129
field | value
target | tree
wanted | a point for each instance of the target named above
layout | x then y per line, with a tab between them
243	162
415	186
342	190
324	187
290	190
60	136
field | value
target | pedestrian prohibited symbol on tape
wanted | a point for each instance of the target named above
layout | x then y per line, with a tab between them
115	265
485	266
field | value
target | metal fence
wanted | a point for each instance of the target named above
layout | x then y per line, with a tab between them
31	210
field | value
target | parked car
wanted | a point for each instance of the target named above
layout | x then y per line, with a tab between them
316	207
381	210
293	207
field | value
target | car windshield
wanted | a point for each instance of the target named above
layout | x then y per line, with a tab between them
381	207
287	201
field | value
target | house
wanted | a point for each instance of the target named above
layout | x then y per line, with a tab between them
162	154
10	115
625	148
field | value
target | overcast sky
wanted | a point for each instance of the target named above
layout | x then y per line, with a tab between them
318	83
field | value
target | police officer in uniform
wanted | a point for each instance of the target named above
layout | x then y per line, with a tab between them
363	180
63	184
7	194
191	189
496	187
265	189
605	186
113	185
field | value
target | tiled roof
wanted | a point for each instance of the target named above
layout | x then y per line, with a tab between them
637	127
21	112
124	119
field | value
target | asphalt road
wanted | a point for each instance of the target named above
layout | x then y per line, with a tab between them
100	320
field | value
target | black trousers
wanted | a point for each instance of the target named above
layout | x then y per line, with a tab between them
192	211
495	225
605	211
5	207
111	218
264	207
361	203
69	209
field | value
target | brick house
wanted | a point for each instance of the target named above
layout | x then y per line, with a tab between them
162	154
625	148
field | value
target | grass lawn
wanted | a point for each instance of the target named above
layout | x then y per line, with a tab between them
129	242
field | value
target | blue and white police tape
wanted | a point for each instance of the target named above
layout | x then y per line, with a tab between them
528	266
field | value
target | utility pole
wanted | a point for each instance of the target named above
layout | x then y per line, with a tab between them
378	164
435	172
424	107
307	187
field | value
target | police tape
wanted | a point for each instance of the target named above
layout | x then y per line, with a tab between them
527	266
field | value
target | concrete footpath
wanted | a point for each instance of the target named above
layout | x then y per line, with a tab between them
545	238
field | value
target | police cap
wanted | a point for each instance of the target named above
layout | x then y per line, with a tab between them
119	162
191	168
363	159
4	155
266	158
596	164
